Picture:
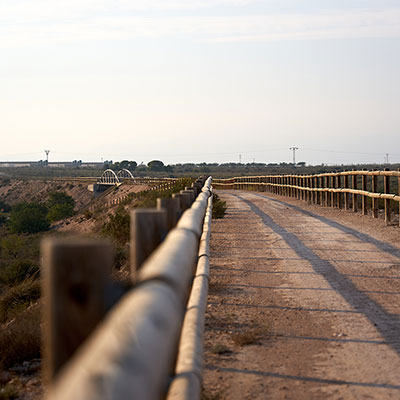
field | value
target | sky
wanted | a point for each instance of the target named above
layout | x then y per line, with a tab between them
200	80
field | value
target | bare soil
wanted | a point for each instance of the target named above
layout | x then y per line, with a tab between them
303	303
19	190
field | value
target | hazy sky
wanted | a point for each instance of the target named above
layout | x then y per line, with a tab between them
200	80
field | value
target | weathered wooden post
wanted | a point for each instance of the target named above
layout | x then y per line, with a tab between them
386	186
354	187
172	206
339	194
346	195
364	198
312	193
77	293
332	178
148	229
374	189
185	200
318	184
398	191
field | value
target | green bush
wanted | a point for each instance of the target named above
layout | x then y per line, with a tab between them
3	218
20	340
60	211
219	207
60	206
11	246
4	207
18	298
18	271
56	198
117	226
28	218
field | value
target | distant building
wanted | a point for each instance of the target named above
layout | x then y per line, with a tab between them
44	163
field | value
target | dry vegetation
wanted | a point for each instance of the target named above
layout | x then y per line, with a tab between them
20	339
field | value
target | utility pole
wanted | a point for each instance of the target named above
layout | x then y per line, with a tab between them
387	158
240	158
47	156
294	154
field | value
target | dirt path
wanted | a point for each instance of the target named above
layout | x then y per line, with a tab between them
304	303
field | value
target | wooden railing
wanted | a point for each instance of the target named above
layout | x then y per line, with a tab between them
367	191
154	184
106	340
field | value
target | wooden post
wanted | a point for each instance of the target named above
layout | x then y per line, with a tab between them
148	229
374	189
354	186
172	207
190	193
184	200
320	184
398	191
364	198
386	186
76	278
346	195
339	195
332	178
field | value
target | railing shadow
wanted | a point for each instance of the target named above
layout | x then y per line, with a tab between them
388	325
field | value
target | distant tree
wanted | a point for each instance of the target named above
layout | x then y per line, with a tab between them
301	164
60	211
132	165
29	218
60	206
60	198
155	165
117	226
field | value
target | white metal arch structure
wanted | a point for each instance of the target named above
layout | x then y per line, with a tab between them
125	174
109	177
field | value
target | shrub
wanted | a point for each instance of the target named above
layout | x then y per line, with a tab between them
60	211
219	207
20	339
88	214
11	246
60	206
117	226
18	298
28	218
18	271
3	218
4	207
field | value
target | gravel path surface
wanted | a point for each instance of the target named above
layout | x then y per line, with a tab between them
304	303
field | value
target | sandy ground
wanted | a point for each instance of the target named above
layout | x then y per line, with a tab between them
19	190
79	224
303	303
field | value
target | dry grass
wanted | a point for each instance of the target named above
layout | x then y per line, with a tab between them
220	348
20	339
10	390
18	298
246	338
